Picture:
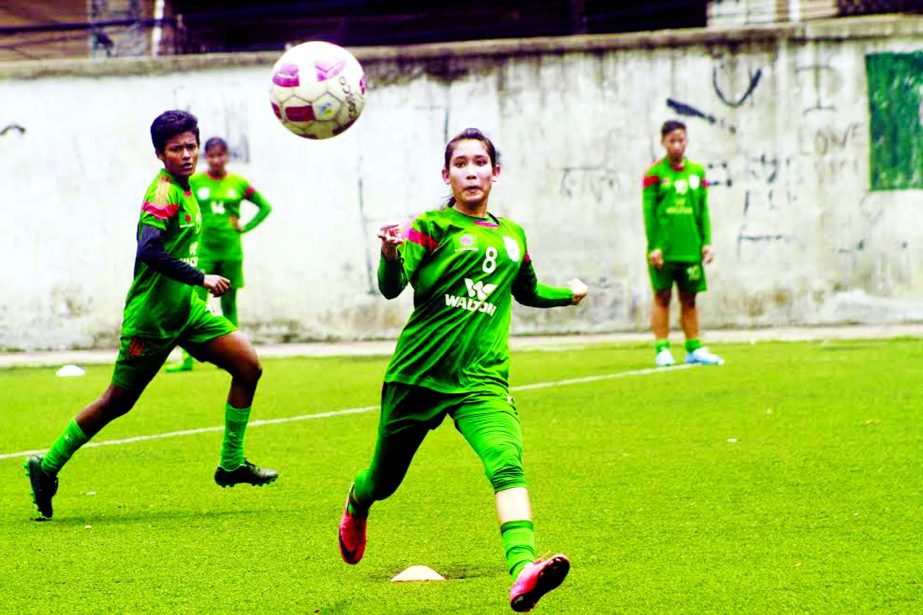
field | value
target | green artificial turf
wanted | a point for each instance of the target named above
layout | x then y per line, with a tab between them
787	481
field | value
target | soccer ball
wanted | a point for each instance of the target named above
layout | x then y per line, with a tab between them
318	90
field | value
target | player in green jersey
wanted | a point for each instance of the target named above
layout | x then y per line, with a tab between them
220	194
678	232
163	311
465	265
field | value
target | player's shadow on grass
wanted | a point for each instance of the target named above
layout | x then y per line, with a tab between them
155	516
460	573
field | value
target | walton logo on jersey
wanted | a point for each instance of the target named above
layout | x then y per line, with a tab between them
193	258
476	301
479	289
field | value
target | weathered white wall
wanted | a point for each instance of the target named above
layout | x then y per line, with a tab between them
800	237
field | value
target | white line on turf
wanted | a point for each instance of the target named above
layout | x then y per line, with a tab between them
345	411
569	381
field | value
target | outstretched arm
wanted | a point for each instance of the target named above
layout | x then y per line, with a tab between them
528	291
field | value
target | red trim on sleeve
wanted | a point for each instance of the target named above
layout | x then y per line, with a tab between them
650	180
249	192
161	212
527	259
704	183
421	239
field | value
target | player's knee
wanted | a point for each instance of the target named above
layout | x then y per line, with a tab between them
503	467
687	300
249	371
507	477
113	404
256	371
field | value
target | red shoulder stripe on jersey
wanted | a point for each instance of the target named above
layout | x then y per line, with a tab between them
421	239
161	212
249	192
650	180
486	223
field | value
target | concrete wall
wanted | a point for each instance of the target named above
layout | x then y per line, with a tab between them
780	117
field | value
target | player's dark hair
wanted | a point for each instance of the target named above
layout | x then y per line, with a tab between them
669	126
473	134
216	142
171	123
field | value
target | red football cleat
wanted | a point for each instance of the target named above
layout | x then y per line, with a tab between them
351	535
536	580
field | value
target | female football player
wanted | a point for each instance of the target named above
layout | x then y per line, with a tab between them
162	310
465	265
220	194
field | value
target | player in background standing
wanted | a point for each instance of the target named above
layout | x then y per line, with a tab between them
678	232
163	310
452	358
220	194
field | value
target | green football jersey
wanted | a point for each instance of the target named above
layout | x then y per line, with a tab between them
676	210
157	305
464	272
220	199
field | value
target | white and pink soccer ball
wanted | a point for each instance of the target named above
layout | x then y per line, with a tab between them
318	90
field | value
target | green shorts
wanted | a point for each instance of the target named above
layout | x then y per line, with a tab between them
230	269
688	277
487	420
140	358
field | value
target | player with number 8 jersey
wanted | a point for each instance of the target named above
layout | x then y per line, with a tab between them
452	359
465	272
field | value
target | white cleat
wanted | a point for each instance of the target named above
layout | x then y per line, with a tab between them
702	356
665	358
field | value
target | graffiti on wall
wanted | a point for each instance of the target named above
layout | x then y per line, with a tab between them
10	128
771	180
895	92
688	110
736	100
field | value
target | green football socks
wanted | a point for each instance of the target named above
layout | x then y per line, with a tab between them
354	508
63	448
693	344
661	344
232	445
229	305
519	544
360	499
